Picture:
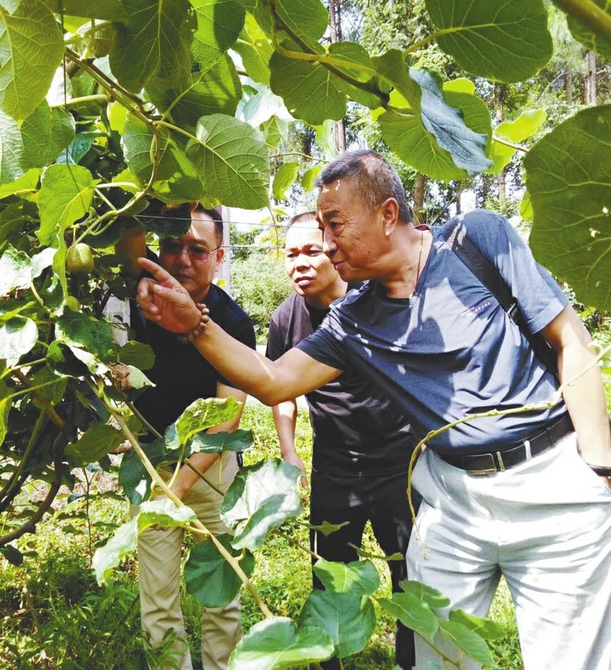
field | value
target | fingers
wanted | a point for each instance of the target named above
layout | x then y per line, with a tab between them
157	271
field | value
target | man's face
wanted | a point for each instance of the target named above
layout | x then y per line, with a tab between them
310	271
353	232
193	258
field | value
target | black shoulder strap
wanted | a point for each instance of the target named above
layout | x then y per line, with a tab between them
470	254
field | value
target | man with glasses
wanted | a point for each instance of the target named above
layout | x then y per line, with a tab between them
181	375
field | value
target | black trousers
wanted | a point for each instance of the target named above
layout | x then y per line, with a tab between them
383	502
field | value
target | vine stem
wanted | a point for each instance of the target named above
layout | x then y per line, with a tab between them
546	404
589	13
198	526
511	145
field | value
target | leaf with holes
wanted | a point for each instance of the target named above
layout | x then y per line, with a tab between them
568	175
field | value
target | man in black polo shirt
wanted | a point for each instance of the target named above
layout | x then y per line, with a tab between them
362	443
181	376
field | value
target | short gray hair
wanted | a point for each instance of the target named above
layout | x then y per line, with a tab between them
370	176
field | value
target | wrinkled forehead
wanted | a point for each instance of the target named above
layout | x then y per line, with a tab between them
303	233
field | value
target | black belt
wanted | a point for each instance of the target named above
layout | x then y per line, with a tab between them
497	461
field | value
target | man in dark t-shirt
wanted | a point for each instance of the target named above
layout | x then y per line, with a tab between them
362	444
181	375
509	487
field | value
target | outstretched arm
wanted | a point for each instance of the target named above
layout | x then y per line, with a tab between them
166	302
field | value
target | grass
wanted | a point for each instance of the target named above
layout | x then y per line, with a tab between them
54	615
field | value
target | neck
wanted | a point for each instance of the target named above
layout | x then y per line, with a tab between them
201	295
324	299
411	256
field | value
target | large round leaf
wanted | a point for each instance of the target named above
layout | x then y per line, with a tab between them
276	643
569	181
260	498
31	49
219	23
349	619
505	40
208	576
231	161
359	577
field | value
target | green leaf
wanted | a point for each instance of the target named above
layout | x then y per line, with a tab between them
52	393
5	407
591	34
446	123
65	196
202	414
163	512
17	337
413	612
306	18
62	361
86	332
46	133
527	124
255	50
107	10
177	180
486	628
309	177
310	91
277	643
239	440
434	598
133	477
568	175
348	618
327	528
24	186
231	162
284	179
354	61
12	554
115	550
155	40
138	354
217	90
15	270
359	577
97	441
11	149
208	576
261	498
471	643
504	41
31	49
219	23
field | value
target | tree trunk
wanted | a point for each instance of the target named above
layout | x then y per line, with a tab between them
500	93
419	185
591	93
568	86
335	27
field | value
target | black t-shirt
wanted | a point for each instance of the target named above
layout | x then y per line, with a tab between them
181	373
357	430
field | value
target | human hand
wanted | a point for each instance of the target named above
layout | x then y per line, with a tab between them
293	459
165	301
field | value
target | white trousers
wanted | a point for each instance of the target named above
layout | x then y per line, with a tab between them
160	558
546	526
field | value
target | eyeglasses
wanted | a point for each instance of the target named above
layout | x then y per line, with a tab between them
195	253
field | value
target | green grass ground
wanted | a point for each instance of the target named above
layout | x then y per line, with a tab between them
53	614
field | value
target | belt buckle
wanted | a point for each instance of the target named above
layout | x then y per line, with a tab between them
484	472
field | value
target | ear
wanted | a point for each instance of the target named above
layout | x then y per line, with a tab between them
220	254
389	211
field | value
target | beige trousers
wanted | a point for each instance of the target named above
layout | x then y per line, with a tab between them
160	558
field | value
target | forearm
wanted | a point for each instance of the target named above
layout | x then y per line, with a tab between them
285	418
187	477
271	382
585	400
